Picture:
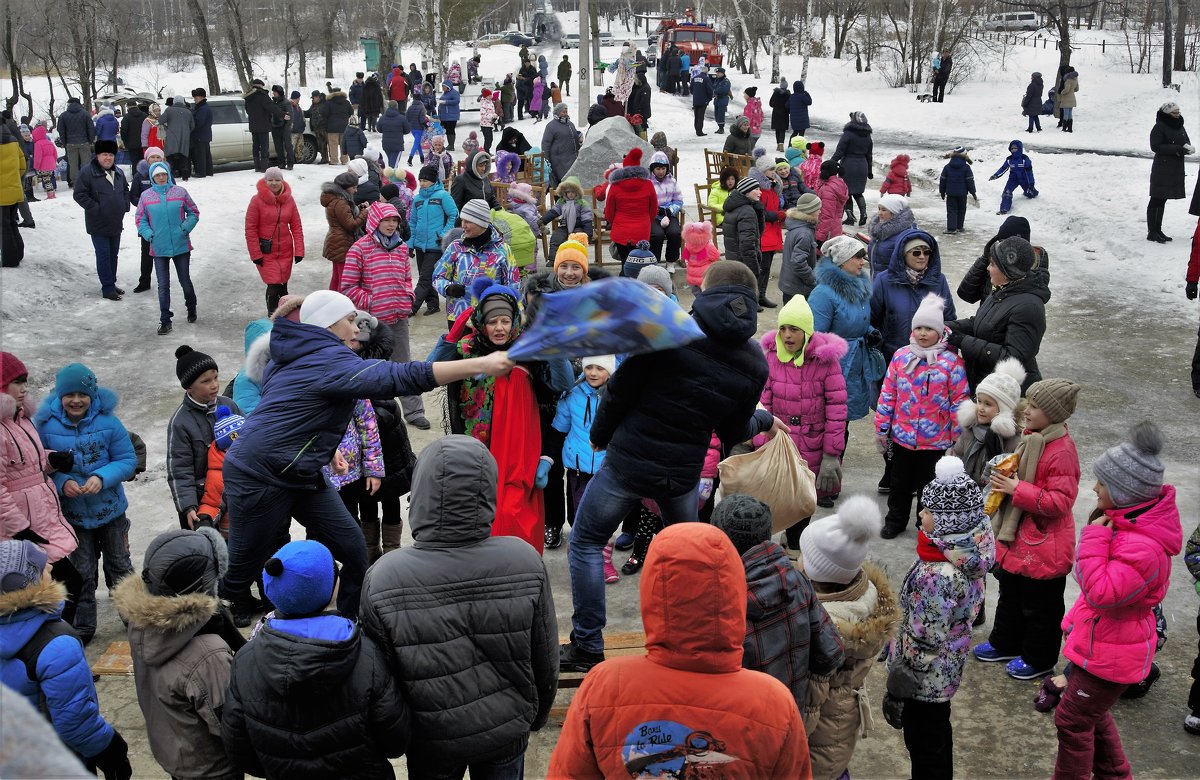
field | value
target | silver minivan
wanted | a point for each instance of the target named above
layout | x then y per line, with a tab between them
1017	20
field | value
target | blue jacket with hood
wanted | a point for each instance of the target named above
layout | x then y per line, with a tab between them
430	217
308	395
63	675
166	215
247	385
1018	165
574	417
798	105
841	304
447	106
894	299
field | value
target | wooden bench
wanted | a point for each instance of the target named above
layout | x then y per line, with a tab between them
626	643
714	161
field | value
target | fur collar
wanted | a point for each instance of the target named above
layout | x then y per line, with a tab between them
863	638
166	614
855	289
8	406
629	172
257	358
797	214
821	347
293	303
900	221
45	595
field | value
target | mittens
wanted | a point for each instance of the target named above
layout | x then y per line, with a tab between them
455	290
830	475
1190	291
893	711
298	259
113	761
258	261
665	221
543	472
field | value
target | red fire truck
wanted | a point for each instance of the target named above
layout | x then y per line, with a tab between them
696	39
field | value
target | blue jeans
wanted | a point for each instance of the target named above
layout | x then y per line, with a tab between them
1034	121
260	512
512	768
605	504
1066	113
418	135
107	248
162	272
112	542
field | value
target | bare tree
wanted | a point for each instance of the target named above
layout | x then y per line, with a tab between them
1058	13
206	50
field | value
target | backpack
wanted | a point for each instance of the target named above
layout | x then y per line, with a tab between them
29	654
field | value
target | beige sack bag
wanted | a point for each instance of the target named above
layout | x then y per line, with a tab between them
777	475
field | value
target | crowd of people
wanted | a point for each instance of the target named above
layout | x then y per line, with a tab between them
447	651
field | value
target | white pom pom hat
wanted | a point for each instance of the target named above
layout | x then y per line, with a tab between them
1004	387
834	548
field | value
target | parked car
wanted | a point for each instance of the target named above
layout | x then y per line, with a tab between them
518	39
1017	20
606	39
491	39
570	41
232	142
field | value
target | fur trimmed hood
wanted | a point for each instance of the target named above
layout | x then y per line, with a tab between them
862	638
8	406
821	347
855	289
1004	424
257	358
629	172
293	303
45	595
961	155
162	625
803	216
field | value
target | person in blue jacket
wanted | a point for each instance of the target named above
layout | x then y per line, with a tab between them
166	216
955	184
431	216
202	122
915	270
273	471
798	105
722	90
702	95
80	419
1020	174
394	126
107	125
247	385
685	73
574	417
447	110
41	659
103	191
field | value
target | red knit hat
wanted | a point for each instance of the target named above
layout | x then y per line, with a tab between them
633	158
10	369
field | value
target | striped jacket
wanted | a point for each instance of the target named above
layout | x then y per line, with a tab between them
378	278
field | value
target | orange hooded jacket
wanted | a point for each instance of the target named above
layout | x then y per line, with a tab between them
688	701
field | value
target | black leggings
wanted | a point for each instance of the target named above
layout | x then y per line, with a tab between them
780	132
274	293
449	127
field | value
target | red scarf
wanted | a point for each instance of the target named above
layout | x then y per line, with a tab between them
926	549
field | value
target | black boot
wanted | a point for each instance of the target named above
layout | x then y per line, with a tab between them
848	215
1070	125
1154	218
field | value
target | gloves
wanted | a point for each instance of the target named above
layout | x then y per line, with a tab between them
954	338
893	711
870	174
706	489
830	474
297	260
993	178
881	444
1190	291
63	460
874	338
455	290
665	221
258	261
543	472
113	761
1188	149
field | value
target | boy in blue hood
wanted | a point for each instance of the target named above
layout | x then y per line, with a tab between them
1020	174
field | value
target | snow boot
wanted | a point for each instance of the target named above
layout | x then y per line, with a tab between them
779	147
51	195
611	575
1070	128
848	214
720	129
370	530
1154	218
391	537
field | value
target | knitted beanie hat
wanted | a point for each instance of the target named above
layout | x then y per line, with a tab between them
21	564
1014	256
477	212
746	184
76	378
574	250
359	168
190	364
893	202
1055	397
11	369
1004	387
808	203
833	548
346	180
325	307
227	427
428	173
915	243
953	498
930	313
494	298
607	362
1131	470
273	174
841	248
744	519
639	257
299	579
657	276
521	192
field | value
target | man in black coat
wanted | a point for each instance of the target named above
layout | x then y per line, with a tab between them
318	114
202	120
281	129
77	132
941	76
337	118
259	112
131	134
639	99
103	192
655	423
702	95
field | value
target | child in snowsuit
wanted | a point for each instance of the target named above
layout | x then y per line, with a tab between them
897	182
805	388
796	151
699	252
1035	536
1020	174
572	213
800	250
182	643
1123	569
791	185
788	633
363	455
80	417
925	383
41	659
810	169
211	512
45	160
989	427
940	597
954	185
753	112
523	203
574	417
832	190
311	695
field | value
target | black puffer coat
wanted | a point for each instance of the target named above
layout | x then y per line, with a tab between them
1010	323
1031	104
743	228
259	109
1166	141
854	153
313	700
659	410
338	112
467	617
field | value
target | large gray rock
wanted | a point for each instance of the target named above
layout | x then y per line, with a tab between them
605	143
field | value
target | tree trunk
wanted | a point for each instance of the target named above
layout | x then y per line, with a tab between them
331	12
240	52
1168	39
741	20
1062	23
1181	34
206	51
774	33
908	45
301	48
806	39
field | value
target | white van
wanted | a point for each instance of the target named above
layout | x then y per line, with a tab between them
1018	20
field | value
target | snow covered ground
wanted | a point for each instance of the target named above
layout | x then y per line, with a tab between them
1119	322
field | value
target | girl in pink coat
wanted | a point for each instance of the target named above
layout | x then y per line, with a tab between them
45	159
810	169
832	191
1123	570
805	388
29	507
753	111
699	252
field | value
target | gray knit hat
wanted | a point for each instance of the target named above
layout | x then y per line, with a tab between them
1014	256
808	203
1132	471
656	275
21	564
476	211
744	519
953	498
1055	397
559	108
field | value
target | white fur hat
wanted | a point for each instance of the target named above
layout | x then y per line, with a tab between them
893	202
607	362
325	307
930	313
359	168
834	548
1004	387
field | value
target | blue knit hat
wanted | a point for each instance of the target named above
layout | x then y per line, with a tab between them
299	579
227	427
638	258
75	378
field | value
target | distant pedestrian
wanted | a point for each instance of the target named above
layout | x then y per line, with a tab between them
202	121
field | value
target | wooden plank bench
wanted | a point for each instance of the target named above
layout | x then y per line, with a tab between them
625	643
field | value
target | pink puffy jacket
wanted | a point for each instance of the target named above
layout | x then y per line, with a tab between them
45	153
833	194
811	398
1123	571
27	496
1045	543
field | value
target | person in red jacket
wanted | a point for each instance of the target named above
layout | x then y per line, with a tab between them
897	181
274	234
688	701
630	204
398	86
774	215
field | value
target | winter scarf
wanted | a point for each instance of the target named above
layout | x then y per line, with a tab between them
914	276
478	393
926	549
917	353
1029	453
569	213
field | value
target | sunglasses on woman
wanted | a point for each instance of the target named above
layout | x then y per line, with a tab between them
921	252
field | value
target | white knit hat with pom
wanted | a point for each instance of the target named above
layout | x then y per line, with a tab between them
953	498
834	548
1004	387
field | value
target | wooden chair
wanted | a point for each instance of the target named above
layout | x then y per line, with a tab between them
533	168
705	211
739	162
714	161
539	192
